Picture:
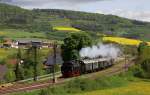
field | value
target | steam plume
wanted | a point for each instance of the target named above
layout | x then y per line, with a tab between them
102	50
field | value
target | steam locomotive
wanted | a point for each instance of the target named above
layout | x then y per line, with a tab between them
74	68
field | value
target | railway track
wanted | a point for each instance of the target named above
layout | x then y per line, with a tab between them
118	68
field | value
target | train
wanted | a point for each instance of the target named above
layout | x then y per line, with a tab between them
75	68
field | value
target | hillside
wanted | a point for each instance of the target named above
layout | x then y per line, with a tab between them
135	88
43	20
14	17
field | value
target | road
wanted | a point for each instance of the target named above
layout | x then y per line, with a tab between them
118	68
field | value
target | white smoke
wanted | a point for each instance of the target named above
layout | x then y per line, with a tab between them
108	50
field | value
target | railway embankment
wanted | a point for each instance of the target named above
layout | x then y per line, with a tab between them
118	68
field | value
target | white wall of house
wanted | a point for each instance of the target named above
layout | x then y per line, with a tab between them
14	45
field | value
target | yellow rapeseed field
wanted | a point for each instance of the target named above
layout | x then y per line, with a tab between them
62	28
135	88
123	41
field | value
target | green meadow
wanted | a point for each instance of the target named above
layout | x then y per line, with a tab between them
14	34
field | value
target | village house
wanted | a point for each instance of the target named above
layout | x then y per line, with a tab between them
7	43
27	43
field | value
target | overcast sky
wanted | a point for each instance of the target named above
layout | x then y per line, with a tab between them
133	9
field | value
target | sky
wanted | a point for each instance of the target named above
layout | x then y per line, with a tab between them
133	9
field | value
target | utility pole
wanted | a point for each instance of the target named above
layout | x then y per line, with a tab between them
35	62
125	58
54	61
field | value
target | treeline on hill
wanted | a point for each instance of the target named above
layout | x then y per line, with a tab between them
18	18
107	24
43	19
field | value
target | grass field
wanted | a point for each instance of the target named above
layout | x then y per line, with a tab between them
135	88
4	53
56	21
14	34
11	52
123	41
62	28
138	87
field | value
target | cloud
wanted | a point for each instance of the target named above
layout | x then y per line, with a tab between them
38	2
59	4
132	9
137	15
5	0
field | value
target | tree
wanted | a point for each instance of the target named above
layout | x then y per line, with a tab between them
144	60
18	68
44	92
141	46
41	26
2	61
10	75
73	44
35	62
31	62
2	39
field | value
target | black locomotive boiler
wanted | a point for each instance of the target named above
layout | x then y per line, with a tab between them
78	67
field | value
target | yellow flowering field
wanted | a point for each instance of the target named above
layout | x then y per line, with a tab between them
63	28
135	88
123	41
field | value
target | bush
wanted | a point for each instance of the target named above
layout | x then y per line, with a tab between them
141	71
138	71
78	85
83	85
9	76
143	68
43	92
2	62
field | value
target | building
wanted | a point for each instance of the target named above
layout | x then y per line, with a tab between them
50	60
27	43
7	43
